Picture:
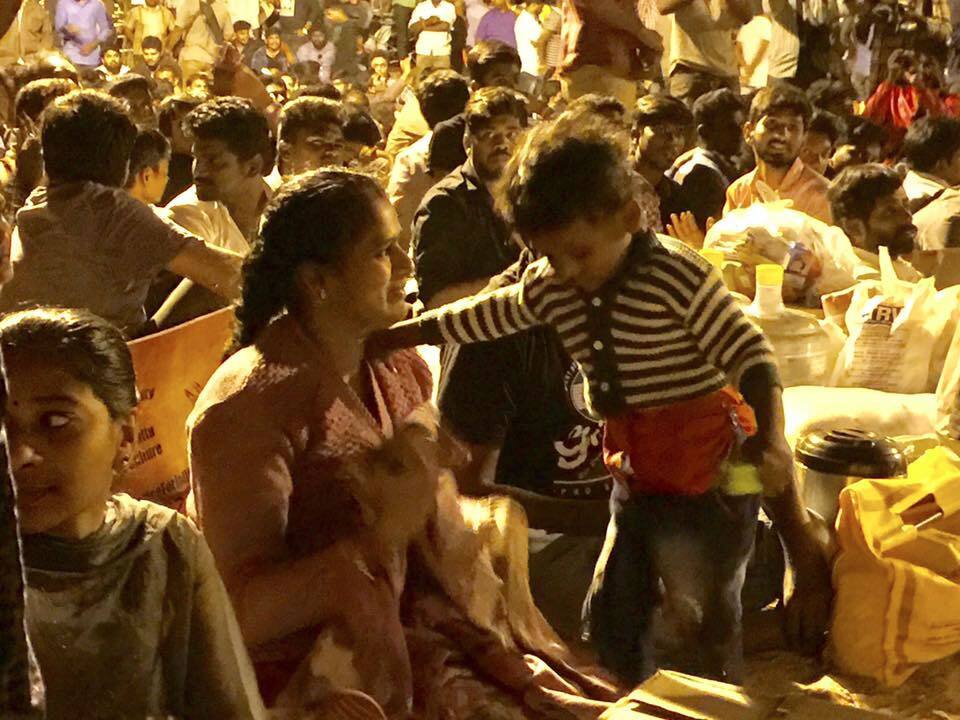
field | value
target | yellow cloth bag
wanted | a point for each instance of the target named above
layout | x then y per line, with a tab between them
897	575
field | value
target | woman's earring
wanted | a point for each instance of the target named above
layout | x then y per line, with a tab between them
323	294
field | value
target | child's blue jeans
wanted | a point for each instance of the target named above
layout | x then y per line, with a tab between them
698	547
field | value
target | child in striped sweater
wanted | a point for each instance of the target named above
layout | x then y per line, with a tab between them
686	385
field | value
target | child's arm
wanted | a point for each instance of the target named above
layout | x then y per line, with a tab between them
768	449
808	610
728	340
734	345
481	318
406	334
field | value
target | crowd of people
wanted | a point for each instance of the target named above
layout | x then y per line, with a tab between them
525	184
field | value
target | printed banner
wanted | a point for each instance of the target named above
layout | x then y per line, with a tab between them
172	368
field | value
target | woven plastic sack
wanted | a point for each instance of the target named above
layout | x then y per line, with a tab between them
897	575
816	257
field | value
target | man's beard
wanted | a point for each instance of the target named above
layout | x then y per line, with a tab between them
777	158
489	174
902	243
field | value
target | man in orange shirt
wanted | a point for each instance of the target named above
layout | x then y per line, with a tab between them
776	130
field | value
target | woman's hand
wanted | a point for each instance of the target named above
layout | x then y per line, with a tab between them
397	483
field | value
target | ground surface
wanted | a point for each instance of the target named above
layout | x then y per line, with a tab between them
932	693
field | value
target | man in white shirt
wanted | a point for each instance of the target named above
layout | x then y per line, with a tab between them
753	56
432	22
233	151
701	44
205	24
528	32
931	151
784	51
320	51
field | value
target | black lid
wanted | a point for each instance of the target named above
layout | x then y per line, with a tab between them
853	452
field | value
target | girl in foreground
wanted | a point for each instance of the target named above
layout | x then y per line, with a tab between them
125	609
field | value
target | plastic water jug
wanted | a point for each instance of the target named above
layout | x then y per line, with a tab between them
802	348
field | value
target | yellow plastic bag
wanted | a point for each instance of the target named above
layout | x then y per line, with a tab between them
897	575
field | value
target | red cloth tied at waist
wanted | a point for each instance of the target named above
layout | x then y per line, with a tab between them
677	449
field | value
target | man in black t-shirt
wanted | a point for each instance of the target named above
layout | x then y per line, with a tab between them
348	20
517	402
245	42
518	405
660	129
459	239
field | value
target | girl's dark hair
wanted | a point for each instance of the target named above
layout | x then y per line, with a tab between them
88	347
314	218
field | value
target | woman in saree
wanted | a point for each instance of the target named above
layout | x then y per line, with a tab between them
354	567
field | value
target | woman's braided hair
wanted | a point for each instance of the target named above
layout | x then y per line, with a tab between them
314	218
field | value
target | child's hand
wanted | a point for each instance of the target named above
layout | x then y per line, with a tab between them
774	462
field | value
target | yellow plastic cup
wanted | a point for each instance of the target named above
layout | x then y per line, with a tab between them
770	275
